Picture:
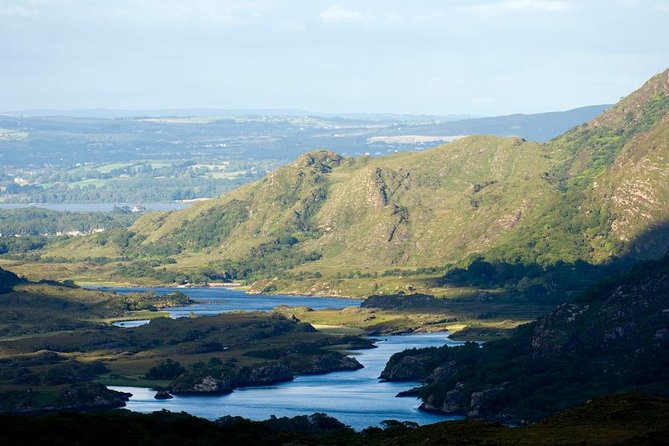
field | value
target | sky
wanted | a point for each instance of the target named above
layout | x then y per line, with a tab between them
472	57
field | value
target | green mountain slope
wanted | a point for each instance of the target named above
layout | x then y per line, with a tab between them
611	177
592	194
326	213
370	213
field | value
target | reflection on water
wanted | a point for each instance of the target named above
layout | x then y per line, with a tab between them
356	398
131	324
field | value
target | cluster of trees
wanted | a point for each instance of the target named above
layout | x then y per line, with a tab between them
35	221
544	284
133	189
267	260
643	420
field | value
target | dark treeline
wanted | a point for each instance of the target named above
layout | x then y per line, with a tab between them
621	419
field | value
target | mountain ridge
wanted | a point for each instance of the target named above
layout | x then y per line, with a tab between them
506	199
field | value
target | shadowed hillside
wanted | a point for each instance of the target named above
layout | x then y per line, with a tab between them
611	339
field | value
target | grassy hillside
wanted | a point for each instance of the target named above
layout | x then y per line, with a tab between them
30	308
595	194
610	174
329	214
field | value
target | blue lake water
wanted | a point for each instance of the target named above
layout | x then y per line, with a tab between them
358	399
211	301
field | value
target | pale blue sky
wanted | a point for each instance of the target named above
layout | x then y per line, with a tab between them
482	57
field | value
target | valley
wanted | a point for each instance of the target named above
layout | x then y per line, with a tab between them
334	223
544	262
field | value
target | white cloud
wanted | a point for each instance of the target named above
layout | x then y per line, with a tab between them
519	6
228	12
17	11
661	7
19	8
339	14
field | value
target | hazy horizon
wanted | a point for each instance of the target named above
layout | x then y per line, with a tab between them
221	112
474	58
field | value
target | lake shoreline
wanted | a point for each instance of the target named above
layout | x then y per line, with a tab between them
356	398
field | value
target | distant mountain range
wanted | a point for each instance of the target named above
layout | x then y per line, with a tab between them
221	112
536	127
66	138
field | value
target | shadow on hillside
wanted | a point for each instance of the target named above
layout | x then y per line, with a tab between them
652	244
560	282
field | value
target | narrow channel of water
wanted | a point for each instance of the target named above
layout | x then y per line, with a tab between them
358	399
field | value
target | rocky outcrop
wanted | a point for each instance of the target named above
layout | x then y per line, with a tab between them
205	385
611	339
458	401
163	395
442	373
88	396
264	374
552	333
480	401
409	368
319	364
452	403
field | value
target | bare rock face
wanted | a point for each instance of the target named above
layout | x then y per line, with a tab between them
479	401
269	374
443	372
409	368
452	403
552	334
163	395
207	384
322	160
458	402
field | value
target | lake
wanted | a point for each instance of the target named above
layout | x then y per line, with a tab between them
211	301
358	399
